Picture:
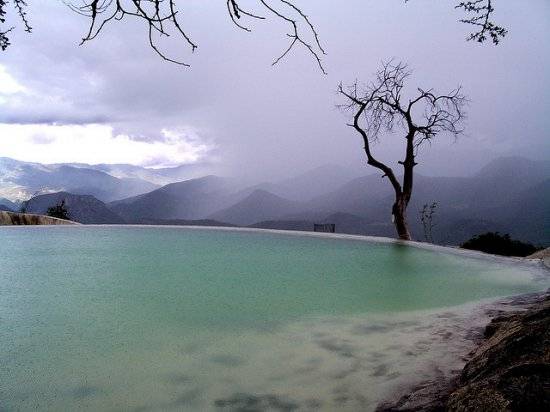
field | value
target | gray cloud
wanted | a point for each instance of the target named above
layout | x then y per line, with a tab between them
267	121
23	116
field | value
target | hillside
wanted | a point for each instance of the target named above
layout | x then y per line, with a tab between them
189	200
300	225
313	183
22	180
345	223
183	222
529	210
81	208
493	199
259	205
8	204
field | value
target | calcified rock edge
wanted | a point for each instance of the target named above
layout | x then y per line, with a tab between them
508	371
16	219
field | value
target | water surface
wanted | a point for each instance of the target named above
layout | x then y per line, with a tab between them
143	318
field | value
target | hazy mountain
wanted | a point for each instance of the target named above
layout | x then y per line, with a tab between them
21	180
361	196
8	204
313	183
527	214
183	222
6	208
505	177
304	187
81	208
510	195
157	176
259	205
345	223
184	172
301	225
356	225
515	171
455	231
188	200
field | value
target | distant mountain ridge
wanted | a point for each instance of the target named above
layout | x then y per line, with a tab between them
158	176
22	180
8	205
511	195
314	182
259	205
81	208
187	200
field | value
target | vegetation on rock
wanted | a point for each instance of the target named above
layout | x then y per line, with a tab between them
497	244
59	210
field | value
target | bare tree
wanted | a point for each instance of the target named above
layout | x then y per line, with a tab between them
426	217
382	106
161	18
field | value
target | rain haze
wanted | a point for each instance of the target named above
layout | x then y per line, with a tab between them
113	100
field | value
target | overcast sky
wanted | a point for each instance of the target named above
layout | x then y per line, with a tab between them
113	100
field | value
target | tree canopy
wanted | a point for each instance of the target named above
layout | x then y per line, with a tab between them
59	210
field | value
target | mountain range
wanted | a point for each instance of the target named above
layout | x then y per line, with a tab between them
21	180
510	195
81	208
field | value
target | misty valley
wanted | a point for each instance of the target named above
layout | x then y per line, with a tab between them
493	199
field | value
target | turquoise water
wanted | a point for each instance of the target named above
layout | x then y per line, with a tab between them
142	318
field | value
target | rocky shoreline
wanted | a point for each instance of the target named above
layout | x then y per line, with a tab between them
508	371
16	219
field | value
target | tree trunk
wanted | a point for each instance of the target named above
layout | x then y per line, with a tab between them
399	211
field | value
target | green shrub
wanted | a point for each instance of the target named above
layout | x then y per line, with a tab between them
59	211
497	244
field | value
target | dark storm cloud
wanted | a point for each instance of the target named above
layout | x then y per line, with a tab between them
267	121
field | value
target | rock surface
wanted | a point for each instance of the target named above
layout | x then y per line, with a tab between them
11	218
542	254
509	371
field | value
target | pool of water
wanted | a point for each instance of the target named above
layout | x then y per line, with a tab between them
161	318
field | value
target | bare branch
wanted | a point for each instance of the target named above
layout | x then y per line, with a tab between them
295	36
20	7
156	13
162	16
360	107
441	113
481	11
